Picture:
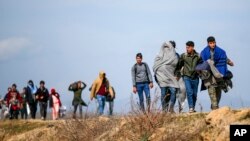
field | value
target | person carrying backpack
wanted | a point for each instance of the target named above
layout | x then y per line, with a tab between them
142	81
77	88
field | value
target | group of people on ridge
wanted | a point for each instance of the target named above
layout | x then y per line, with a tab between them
26	102
171	69
176	75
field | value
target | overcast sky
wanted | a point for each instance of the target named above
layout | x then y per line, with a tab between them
62	41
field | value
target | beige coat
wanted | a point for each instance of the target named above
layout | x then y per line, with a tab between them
97	85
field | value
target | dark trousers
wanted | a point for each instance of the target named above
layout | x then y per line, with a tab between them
80	109
43	109
24	114
14	114
33	109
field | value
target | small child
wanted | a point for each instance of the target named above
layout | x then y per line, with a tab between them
55	103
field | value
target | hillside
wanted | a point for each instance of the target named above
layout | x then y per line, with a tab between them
135	126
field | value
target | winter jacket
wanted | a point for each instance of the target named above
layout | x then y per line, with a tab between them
51	99
97	85
77	93
31	91
42	95
14	99
188	62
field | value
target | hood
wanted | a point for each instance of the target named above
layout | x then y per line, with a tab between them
102	75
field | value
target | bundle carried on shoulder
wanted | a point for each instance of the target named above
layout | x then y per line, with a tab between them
74	86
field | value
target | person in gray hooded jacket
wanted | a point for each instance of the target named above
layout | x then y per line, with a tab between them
142	81
164	68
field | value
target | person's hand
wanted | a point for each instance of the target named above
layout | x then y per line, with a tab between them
134	90
41	97
230	63
177	78
151	85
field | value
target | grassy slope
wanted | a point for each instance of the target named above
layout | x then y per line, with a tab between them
135	126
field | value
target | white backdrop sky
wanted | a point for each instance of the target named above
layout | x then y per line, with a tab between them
62	41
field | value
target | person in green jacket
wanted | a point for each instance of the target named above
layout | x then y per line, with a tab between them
187	63
77	88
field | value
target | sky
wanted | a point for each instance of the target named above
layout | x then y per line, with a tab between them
62	41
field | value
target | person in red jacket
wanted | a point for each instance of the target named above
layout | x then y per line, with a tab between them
55	103
13	102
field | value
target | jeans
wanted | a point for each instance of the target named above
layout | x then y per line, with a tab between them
111	107
101	103
43	109
140	88
168	98
191	89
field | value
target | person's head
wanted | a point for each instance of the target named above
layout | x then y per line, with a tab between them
24	89
79	84
190	47
9	89
173	43
42	83
139	58
102	75
211	42
13	87
53	91
30	82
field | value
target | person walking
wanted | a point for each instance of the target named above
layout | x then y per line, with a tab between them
77	88
100	88
142	81
42	96
164	68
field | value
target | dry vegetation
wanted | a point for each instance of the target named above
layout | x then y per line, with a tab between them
152	125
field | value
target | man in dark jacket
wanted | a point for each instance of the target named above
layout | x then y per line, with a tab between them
42	96
31	91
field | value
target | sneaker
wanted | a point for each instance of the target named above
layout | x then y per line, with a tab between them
191	110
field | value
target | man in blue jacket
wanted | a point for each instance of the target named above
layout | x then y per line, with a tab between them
219	57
